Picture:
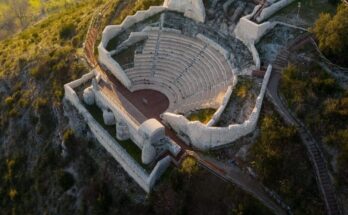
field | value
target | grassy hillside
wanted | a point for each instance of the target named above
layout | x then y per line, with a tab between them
317	99
17	15
34	66
37	174
280	161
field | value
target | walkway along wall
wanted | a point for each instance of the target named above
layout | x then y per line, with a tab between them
204	137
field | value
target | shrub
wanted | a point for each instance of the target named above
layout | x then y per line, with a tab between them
40	103
69	138
331	32
65	179
67	31
189	166
9	101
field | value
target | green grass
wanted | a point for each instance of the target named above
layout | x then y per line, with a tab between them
203	115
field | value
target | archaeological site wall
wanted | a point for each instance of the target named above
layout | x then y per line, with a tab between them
205	137
138	173
193	9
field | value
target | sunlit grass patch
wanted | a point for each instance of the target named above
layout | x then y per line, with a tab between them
203	115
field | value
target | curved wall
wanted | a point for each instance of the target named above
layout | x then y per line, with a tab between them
205	137
191	8
145	180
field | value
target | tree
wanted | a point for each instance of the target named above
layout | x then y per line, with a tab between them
333	1
331	32
189	166
20	9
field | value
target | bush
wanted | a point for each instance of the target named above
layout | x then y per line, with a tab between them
69	138
189	166
65	179
67	31
9	101
331	32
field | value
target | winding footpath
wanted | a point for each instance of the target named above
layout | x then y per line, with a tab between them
314	152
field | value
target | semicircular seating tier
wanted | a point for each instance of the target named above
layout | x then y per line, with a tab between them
190	72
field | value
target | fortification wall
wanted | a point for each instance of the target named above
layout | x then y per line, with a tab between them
114	67
108	142
204	137
222	107
85	78
159	169
146	181
275	7
250	33
133	38
121	115
111	31
193	9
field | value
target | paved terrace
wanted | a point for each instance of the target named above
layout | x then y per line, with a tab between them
142	104
132	103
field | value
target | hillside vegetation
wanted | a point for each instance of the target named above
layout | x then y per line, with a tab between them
17	15
34	66
322	104
280	161
331	32
46	167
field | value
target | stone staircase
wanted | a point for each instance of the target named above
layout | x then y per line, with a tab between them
322	172
313	147
281	60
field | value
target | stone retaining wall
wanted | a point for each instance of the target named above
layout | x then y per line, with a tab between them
121	116
222	107
269	11
250	33
204	137
159	169
133	38
191	8
138	173
112	31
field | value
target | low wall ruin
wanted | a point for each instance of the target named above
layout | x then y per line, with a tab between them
205	137
138	173
275	7
193	9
